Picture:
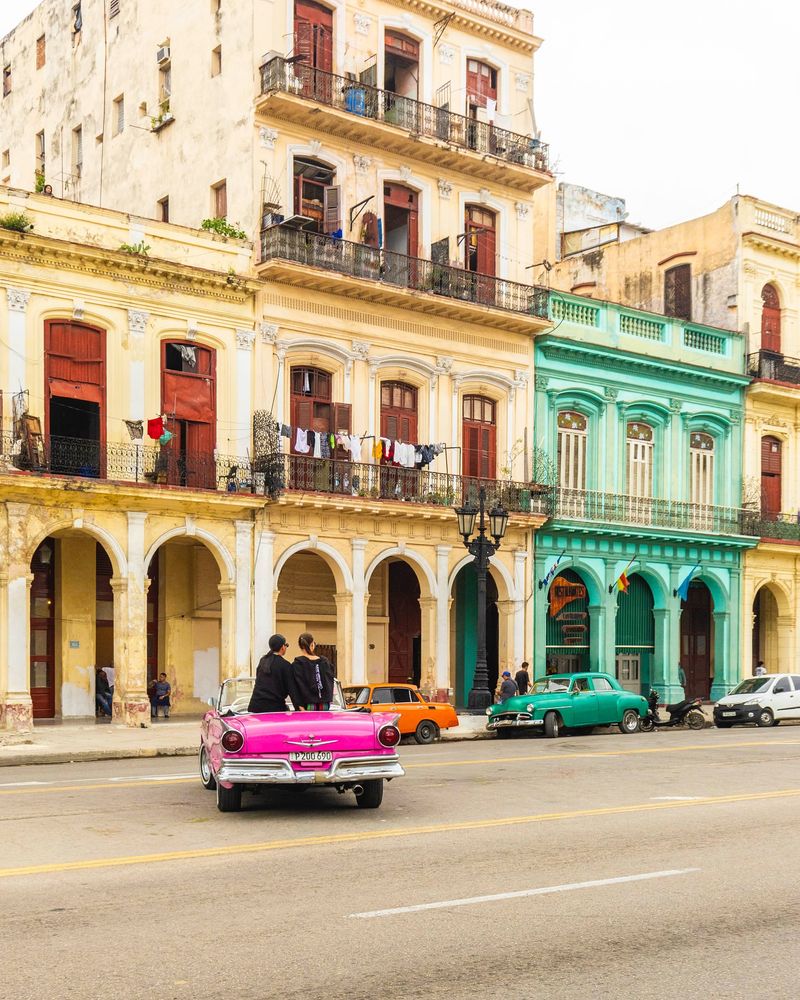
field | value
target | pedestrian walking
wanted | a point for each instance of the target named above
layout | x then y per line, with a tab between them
162	692
274	679
522	678
508	687
760	670
312	677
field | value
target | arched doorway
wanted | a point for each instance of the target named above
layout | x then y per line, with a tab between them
184	622
765	629
71	624
635	636
405	624
697	640
463	618
568	633
307	603
770	319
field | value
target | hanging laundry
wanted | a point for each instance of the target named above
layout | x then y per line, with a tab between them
331	442
135	429
155	428
286	431
325	447
491	109
301	442
377	450
306	384
165	438
342	439
355	448
317	444
388	449
188	354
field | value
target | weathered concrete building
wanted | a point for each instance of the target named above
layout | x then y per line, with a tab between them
737	268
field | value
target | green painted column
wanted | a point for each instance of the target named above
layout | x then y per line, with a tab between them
466	588
723	637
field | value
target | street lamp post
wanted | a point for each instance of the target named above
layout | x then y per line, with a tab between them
482	549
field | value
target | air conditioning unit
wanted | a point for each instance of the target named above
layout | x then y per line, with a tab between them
162	55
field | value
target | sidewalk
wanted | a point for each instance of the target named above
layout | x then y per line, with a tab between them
61	743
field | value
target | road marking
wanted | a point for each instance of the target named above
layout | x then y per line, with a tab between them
540	758
446	904
676	798
385	834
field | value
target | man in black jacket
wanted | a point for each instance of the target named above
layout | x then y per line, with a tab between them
274	680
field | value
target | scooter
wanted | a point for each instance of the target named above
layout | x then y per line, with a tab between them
687	712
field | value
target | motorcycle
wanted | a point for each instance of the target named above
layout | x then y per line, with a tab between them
687	712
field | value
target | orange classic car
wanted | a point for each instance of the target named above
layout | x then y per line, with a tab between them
420	718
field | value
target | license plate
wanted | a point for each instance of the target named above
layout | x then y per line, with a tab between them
310	756
726	714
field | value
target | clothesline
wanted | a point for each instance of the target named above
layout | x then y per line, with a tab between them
322	444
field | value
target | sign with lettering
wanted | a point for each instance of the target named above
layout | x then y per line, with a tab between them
563	592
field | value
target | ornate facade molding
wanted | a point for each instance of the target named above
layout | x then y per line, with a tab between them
444	365
18	299
361	163
245	339
137	322
541	382
268	137
521	378
445	188
522	209
360	350
446	55
610	392
522	83
362	23
405	172
269	332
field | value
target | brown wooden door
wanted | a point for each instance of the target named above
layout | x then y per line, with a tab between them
189	398
479	435
678	291
399	412
771	461
696	638
42	631
405	621
770	320
313	39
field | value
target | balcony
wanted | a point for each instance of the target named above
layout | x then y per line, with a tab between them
328	264
129	463
376	483
359	113
777	527
650	512
770	366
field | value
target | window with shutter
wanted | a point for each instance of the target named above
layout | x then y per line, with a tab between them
312	179
113	8
640	459
572	438
399	412
770	319
678	291
219	200
119	114
478	437
771	472
701	468
40	51
331	208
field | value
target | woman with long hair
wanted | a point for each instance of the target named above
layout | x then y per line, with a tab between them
313	676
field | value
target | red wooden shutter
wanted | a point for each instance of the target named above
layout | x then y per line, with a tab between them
342	417
331	208
771	474
678	291
770	320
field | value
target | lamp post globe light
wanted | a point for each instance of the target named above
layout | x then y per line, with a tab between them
482	550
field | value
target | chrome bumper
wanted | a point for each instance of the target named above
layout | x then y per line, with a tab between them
501	722
258	771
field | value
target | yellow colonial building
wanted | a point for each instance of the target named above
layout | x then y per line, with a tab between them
737	268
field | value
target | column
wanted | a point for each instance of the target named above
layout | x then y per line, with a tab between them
455	423
227	644
428	607
132	706
539	659
345	602
785	651
17	305
672	689
16	712
244	581
358	651
244	391
263	604
510	427
348	372
280	405
723	654
659	674
522	584
373	378
444	689
506	653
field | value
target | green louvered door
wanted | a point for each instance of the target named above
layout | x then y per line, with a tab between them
635	640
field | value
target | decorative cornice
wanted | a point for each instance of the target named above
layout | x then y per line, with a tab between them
764	242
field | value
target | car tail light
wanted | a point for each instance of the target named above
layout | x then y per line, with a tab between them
232	740
389	736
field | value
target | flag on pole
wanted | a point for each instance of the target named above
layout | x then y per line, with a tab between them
622	582
683	590
551	572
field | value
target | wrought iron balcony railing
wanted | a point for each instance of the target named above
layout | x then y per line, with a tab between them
774	367
384	482
143	464
359	261
412	116
785	527
652	512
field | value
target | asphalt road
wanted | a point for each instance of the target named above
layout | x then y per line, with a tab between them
645	866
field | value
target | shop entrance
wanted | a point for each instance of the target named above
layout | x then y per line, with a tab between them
697	636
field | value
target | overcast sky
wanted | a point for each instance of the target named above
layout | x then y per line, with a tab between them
669	106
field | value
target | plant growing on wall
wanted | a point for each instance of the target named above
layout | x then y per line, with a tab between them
224	228
16	221
140	249
40	181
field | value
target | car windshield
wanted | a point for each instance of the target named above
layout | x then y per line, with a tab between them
547	685
753	684
356	695
235	694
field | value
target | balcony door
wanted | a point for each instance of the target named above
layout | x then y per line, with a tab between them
313	409
479	438
313	42
770	320
316	197
640	454
75	394
401	233
189	399
480	254
573	435
771	472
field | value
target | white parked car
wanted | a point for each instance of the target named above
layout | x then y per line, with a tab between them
763	701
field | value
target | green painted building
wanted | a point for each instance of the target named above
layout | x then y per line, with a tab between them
642	416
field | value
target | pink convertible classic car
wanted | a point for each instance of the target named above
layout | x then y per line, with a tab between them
339	749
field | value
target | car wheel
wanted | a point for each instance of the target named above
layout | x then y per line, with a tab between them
229	800
206	774
372	795
723	725
646	725
503	734
765	718
630	722
552	725
427	732
696	720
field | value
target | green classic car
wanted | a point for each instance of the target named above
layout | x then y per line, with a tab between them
569	701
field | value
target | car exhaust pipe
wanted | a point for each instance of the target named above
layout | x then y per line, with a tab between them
358	789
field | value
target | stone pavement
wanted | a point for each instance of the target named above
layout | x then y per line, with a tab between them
57	743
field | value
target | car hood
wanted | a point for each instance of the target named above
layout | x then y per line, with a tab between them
741	699
334	731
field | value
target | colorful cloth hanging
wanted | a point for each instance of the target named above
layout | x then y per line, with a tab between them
155	428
